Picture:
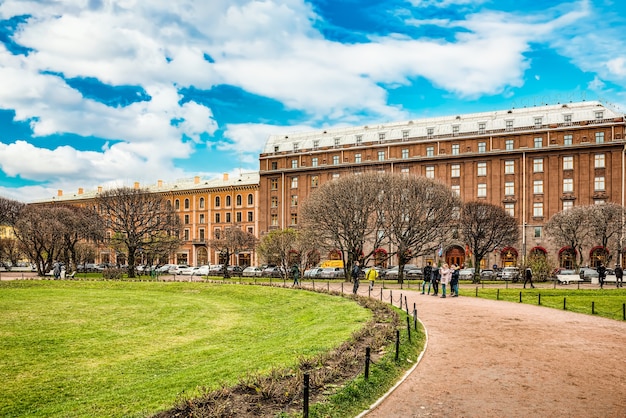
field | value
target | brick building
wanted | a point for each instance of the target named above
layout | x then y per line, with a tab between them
533	161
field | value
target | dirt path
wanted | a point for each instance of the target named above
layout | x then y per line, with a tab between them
497	359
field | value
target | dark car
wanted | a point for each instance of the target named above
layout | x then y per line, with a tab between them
488	274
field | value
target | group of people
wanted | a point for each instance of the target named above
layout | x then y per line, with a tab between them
444	275
371	275
618	271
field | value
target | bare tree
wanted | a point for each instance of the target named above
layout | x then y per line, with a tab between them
605	226
346	213
420	213
485	226
40	233
9	211
286	246
10	252
139	220
233	241
77	224
569	228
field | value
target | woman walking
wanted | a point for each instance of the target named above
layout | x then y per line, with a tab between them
446	275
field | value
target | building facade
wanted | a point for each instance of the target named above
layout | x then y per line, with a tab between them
206	208
534	162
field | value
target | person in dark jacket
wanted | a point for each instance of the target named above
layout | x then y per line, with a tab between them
427	273
528	278
434	278
619	275
601	275
454	282
356	273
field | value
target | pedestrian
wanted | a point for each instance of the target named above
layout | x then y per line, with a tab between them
372	275
446	276
434	278
454	281
295	273
428	271
356	273
601	275
528	277
57	270
619	274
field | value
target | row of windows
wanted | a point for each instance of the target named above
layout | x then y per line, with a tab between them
218	217
430	132
430	151
218	202
217	233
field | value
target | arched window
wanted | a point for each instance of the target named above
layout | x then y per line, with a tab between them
238	200
217	201
227	201
186	203
250	199
201	203
177	204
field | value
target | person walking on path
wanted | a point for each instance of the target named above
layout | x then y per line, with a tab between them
446	275
356	273
528	278
601	275
372	275
295	272
619	275
454	281
428	271
434	278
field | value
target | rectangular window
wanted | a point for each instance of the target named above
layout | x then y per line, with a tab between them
202	218
405	153
538	142
599	161
455	170
538	165
314	162
599	137
381	155
251	230
202	234
315	181
599	115
568	185
294	200
456	189
405	135
568	163
274	220
186	219
273	184
430	132
455	130
567	140
598	183
538	123
294	182
509	167
274	202
238	217
430	172
430	151
405	172
276	148
335	159
228	218
337	142
335	176
316	144
295	147
482	190
217	218
357	158
482	147
481	169
186	235
538	210
381	136
509	188
537	232
294	219
568	204
482	126
294	163
274	165
359	139
508	145
538	187
509	125
455	149
567	119
250	216
510	208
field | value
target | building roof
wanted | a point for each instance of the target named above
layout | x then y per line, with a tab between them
470	123
180	185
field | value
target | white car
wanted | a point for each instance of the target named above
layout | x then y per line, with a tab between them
201	271
252	271
179	269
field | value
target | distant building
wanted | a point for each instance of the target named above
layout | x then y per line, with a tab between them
533	161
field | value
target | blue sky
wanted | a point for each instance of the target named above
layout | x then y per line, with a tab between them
106	93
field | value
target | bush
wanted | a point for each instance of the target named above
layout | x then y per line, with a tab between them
112	273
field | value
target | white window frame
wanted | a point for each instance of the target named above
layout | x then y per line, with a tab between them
482	190
509	167
455	170
538	209
537	186
430	171
538	165
481	169
599	161
599	184
509	145
568	185
568	162
509	188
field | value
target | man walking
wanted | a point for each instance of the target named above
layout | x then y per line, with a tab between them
295	272
528	278
619	275
356	273
601	275
428	270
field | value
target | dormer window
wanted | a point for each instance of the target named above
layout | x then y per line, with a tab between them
295	147
538	123
337	142
276	148
359	139
316	144
381	136
599	115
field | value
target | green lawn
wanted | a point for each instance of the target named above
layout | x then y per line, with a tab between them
608	302
76	348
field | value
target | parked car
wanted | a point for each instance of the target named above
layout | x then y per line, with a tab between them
415	273
216	269
313	273
165	268
273	271
392	273
587	273
201	270
182	270
234	271
511	273
252	271
331	273
466	273
487	274
88	268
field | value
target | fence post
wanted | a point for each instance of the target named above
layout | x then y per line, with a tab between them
415	319
341	287
564	304
593	308
390	296
498	294
367	363
305	406
328	286
397	344
408	327
538	298
476	291
624	311
520	297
